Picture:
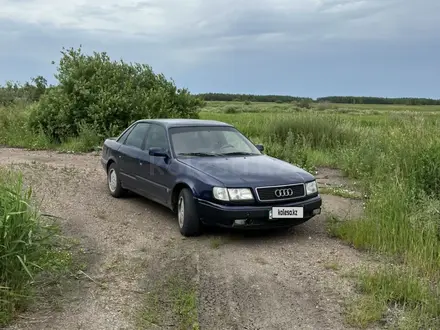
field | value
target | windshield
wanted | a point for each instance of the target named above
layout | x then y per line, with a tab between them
210	141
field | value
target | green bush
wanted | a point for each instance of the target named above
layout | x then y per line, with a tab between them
232	109
305	103
107	96
15	131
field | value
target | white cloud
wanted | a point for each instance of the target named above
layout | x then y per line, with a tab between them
193	29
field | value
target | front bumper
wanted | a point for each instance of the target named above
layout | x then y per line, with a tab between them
213	214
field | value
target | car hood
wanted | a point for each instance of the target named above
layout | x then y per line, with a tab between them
253	171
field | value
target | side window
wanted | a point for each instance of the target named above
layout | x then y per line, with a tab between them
156	137
124	136
137	135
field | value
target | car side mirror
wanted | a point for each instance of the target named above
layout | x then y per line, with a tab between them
158	152
260	147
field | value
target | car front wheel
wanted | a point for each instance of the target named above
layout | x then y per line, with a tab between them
189	223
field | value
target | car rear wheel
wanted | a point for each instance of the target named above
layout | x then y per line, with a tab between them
189	223
113	181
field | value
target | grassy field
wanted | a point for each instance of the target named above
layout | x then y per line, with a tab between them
356	109
393	151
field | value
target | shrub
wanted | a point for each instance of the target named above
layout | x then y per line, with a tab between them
232	109
107	96
14	128
305	103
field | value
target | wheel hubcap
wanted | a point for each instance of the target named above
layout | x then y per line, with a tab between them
181	211
112	180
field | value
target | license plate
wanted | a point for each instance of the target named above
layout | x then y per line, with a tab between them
286	213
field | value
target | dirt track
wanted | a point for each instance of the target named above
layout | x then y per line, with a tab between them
273	280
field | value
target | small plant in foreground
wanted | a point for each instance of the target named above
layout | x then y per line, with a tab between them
174	298
392	289
26	246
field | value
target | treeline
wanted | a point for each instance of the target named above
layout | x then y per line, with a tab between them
252	98
14	92
328	99
378	100
32	91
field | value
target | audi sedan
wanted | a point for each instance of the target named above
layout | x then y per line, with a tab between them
209	174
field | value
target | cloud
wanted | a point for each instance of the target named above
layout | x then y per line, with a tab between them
169	33
212	21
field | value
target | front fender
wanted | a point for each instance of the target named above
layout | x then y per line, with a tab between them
200	183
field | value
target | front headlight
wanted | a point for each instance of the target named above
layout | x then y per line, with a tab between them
232	194
311	188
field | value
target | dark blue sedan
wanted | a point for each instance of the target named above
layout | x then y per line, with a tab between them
209	174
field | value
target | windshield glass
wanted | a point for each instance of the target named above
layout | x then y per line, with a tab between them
210	141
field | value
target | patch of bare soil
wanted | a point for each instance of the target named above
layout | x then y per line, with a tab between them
272	280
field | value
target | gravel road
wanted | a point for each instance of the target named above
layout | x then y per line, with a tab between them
273	280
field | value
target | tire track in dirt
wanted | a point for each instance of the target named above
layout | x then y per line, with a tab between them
271	280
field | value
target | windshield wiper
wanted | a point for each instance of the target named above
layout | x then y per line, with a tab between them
202	154
238	153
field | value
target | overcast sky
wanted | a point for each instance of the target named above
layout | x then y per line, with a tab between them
296	47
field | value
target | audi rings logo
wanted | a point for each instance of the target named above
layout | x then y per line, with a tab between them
287	192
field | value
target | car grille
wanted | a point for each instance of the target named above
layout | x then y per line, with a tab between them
280	193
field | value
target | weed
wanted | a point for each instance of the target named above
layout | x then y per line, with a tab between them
174	299
332	265
341	192
392	289
29	246
216	243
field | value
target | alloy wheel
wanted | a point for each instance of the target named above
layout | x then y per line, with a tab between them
181	211
112	180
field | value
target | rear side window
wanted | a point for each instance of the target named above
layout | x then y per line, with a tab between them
137	135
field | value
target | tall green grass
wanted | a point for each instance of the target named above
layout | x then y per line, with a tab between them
26	246
15	132
398	162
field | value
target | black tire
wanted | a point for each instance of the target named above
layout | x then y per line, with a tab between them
188	220
115	189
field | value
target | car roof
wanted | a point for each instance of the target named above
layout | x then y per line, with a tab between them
177	122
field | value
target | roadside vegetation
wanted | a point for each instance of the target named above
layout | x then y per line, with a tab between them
395	158
96	97
173	302
393	150
32	252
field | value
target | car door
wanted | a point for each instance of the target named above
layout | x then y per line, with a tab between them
129	155
154	170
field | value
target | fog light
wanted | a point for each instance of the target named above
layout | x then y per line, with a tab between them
316	211
240	222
